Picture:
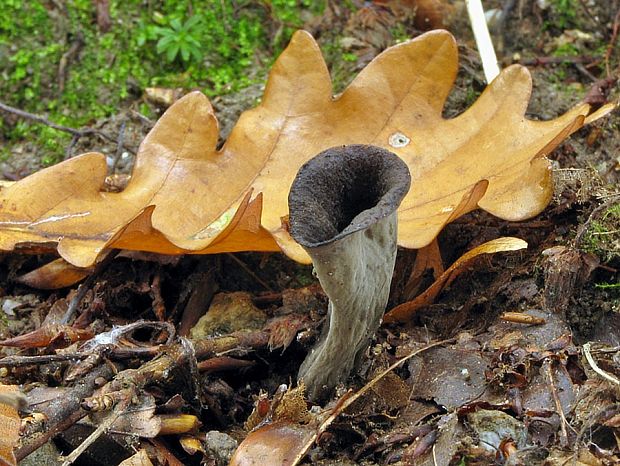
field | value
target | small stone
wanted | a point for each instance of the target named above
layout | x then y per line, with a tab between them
229	312
220	446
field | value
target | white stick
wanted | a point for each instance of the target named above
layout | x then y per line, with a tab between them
594	366
483	39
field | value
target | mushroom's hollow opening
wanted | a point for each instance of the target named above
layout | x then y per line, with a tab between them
347	188
365	192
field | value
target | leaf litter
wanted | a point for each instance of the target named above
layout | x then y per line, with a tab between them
502	392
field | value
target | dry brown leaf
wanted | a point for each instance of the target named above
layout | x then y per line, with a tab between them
139	420
53	275
282	443
405	311
429	14
427	258
52	335
9	424
186	196
141	458
191	445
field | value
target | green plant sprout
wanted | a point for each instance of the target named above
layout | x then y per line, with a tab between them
607	286
180	39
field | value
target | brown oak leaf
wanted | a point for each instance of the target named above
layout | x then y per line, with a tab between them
185	196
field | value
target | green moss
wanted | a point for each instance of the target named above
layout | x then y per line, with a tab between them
566	50
563	14
211	45
603	235
399	33
304	276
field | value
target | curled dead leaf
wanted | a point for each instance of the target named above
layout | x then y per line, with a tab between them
53	275
283	430
405	311
141	458
178	424
53	335
281	443
191	445
185	196
522	318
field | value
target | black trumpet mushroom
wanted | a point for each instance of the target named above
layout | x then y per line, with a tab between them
342	211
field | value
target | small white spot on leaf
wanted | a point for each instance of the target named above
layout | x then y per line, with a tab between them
398	139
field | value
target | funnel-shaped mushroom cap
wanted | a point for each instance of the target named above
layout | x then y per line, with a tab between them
343	190
342	210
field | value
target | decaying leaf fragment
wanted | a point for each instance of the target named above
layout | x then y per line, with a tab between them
10	399
141	458
57	335
53	275
405	311
187	196
281	434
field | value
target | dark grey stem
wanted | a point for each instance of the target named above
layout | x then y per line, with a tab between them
343	212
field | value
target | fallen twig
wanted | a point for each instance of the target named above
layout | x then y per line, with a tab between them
84	287
16	361
62	412
158	305
119	409
606	375
66	58
76	133
175	355
119	146
557	402
612	41
613	349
